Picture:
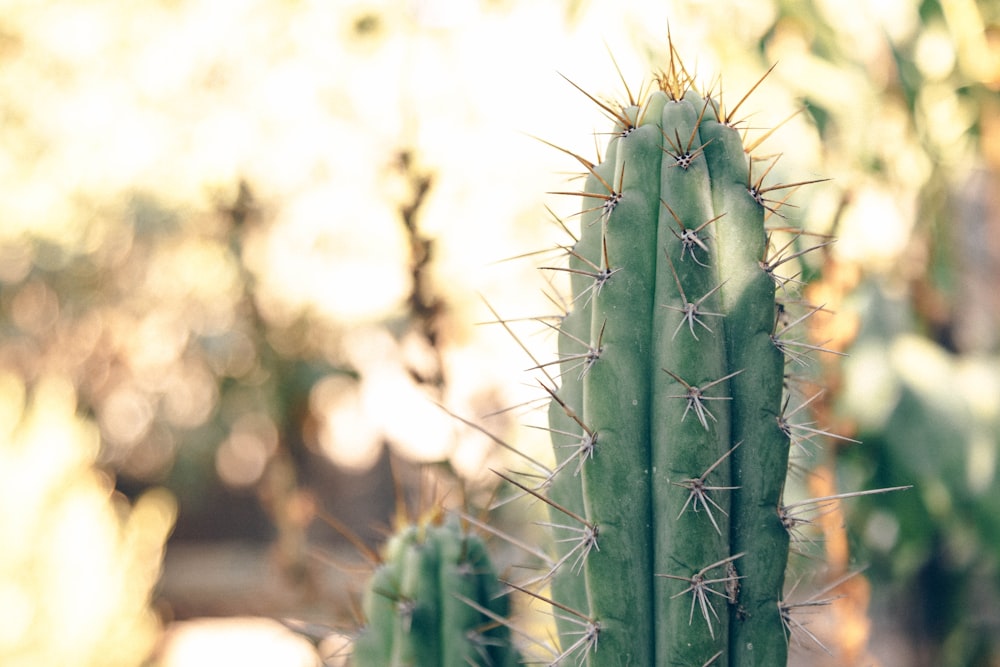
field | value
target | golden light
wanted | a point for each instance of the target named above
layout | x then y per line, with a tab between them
78	562
129	127
242	457
248	642
875	228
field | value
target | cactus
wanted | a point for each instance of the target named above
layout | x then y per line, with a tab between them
672	416
434	601
668	418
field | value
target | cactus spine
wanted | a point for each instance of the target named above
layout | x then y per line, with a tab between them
434	602
667	420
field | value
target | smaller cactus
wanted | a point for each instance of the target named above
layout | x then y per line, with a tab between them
435	600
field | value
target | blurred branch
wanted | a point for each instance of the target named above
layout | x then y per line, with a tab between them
426	306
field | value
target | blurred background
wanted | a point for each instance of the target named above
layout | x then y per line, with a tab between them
244	252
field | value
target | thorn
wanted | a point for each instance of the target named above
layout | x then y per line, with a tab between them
779	258
589	634
562	225
700	587
791	515
610	199
551	503
499	620
787	346
690	310
510	331
749	148
727	118
585	448
588	437
676	80
695	396
586	532
600	274
555	298
756	190
699	491
587	164
538	465
621	77
618	116
506	537
587	359
793	625
369	554
689	237
788	427
683	157
712	659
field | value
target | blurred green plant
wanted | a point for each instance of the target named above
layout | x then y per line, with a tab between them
930	417
435	599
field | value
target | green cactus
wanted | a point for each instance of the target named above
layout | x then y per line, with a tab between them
669	418
435	601
667	423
